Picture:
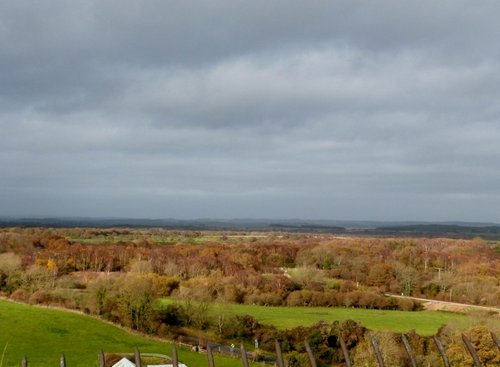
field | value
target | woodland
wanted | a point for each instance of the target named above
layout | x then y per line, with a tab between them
124	275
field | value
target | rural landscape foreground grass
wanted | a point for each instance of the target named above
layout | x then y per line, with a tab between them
42	334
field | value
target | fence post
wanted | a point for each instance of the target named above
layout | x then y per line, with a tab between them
495	339
210	356
345	352
279	355
440	347
137	357
175	359
409	350
102	359
376	349
24	362
244	357
310	354
62	360
471	350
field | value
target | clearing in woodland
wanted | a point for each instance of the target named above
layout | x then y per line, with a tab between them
423	322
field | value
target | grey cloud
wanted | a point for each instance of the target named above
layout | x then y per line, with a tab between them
383	110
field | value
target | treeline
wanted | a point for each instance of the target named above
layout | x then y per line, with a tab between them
276	269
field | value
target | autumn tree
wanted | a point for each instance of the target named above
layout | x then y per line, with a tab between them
10	272
135	297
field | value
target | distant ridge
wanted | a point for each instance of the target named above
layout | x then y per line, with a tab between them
367	228
442	228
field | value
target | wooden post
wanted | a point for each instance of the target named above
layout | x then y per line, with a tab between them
279	355
409	350
102	359
343	346
495	339
210	356
471	350
440	347
244	357
376	349
137	357
175	359
62	360
310	354
24	362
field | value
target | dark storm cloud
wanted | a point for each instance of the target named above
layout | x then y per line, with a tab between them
348	109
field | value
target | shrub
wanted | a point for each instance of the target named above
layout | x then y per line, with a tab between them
299	298
40	297
264	299
37	277
71	282
234	294
10	270
20	295
296	359
171	315
405	304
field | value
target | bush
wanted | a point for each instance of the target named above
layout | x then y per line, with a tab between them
247	325
37	277
296	359
234	294
71	282
40	297
405	304
299	298
65	298
10	270
20	295
264	299
171	315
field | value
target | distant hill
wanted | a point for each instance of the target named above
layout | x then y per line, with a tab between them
307	228
344	227
442	229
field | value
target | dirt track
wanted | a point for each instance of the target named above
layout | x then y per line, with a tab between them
435	305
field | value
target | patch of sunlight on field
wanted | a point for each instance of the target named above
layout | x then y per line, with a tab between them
423	322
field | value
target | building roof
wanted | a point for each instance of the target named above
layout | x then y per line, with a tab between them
124	362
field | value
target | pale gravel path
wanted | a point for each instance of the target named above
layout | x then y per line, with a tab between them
437	305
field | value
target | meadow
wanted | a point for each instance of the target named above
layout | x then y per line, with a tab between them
425	323
42	334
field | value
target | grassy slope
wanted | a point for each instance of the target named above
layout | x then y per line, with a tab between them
424	322
42	334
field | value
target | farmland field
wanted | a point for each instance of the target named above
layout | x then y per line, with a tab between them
42	334
423	322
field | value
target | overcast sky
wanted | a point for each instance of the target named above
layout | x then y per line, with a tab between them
382	110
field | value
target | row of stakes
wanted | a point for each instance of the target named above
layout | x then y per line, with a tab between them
281	363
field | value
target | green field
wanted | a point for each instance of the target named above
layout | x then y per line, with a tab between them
423	322
42	334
